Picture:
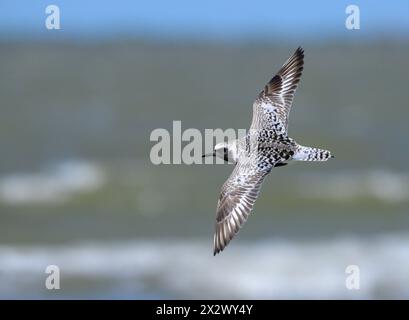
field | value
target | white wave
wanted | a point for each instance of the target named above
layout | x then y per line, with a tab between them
53	185
383	185
175	269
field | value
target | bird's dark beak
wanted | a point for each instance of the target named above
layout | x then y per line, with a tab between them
209	155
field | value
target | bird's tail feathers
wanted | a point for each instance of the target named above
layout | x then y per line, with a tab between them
311	154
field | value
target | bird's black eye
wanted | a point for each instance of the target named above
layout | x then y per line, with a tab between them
226	154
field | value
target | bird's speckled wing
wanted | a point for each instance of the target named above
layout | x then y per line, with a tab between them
272	107
237	197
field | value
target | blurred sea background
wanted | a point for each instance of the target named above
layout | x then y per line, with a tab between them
78	190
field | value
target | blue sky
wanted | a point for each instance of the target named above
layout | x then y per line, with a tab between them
210	19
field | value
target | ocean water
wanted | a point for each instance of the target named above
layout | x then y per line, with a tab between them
272	268
62	182
259	264
56	184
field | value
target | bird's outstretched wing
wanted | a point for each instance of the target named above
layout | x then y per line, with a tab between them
272	107
237	197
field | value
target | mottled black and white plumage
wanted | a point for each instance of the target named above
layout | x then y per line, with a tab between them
266	146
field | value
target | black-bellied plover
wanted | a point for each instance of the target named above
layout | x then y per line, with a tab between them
265	146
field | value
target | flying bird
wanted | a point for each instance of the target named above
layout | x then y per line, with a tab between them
265	146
